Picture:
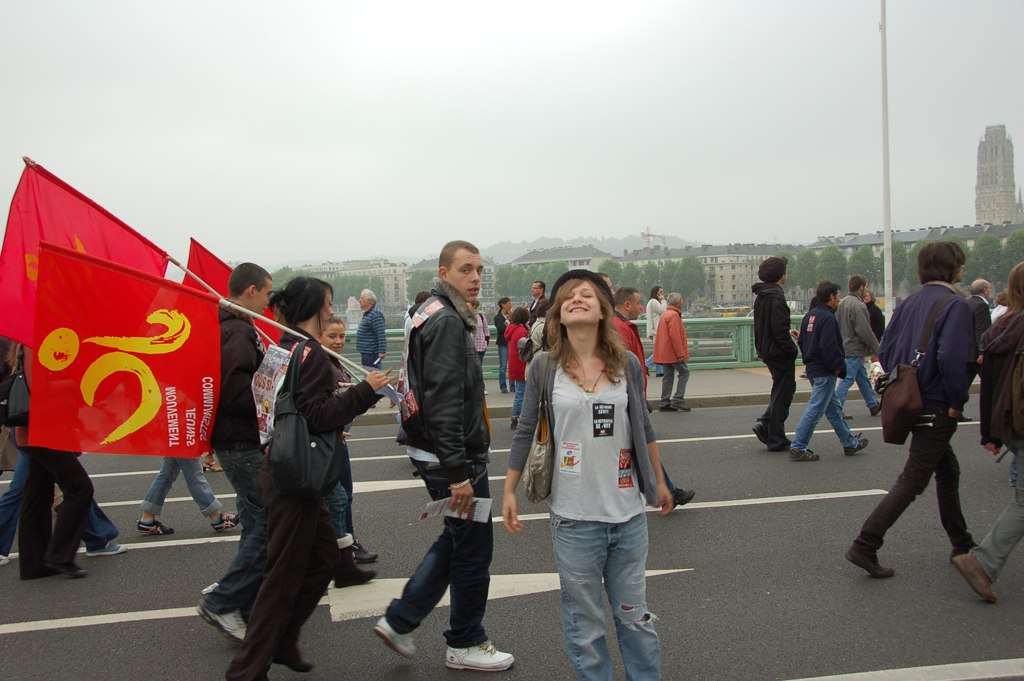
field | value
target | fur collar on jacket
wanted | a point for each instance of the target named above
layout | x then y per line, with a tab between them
469	317
228	312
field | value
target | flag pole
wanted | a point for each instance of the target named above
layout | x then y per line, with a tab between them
228	305
887	273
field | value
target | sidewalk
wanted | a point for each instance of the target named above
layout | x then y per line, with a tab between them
706	388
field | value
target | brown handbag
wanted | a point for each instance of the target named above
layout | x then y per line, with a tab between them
900	392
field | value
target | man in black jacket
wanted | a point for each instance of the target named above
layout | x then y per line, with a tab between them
773	340
500	324
235	439
444	416
821	345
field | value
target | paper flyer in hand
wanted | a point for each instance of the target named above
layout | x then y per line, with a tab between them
480	514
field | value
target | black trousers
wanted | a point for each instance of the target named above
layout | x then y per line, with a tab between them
973	369
783	389
42	541
930	453
302	555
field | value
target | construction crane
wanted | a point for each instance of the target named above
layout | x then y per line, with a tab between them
648	235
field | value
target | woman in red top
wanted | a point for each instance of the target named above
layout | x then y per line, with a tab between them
516	367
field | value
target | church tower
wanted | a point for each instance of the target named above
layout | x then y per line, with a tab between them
994	201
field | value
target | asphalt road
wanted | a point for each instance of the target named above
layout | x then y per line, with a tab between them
766	592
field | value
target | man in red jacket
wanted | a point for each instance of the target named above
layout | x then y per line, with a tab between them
672	352
628	308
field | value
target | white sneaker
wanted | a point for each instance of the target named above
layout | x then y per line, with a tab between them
4	560
230	624
400	643
482	658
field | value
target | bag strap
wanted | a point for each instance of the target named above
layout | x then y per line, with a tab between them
926	338
20	368
291	379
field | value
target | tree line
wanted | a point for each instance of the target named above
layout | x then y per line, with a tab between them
345	286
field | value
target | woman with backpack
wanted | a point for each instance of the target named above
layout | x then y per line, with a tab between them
514	332
1002	374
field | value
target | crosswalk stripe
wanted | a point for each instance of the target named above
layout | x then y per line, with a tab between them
962	671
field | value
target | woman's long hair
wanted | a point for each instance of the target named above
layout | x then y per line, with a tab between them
654	292
610	347
1015	292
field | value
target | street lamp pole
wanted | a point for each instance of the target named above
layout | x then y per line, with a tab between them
887	243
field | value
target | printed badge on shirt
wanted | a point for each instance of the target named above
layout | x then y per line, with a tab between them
625	468
569	459
604	419
810	324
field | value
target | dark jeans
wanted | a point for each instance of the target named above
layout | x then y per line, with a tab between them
460	558
302	555
339	501
371	360
502	367
783	389
40	540
930	452
667	398
237	589
973	369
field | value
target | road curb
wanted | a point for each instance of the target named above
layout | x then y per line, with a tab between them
386	417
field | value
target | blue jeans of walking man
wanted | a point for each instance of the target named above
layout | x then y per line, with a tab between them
502	367
460	558
857	371
824	401
198	487
237	589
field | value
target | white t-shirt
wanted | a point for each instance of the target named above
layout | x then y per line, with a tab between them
594	476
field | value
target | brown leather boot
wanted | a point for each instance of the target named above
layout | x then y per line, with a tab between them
348	573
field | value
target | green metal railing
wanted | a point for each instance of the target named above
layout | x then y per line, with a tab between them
723	343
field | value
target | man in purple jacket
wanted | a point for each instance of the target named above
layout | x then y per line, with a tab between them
942	377
821	344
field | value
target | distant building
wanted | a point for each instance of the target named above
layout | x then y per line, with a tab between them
994	202
394	276
578	257
969	234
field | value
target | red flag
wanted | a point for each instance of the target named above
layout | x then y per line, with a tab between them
125	362
216	273
46	208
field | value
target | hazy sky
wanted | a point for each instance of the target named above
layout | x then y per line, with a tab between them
280	131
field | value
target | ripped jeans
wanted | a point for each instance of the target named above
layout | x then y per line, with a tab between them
588	552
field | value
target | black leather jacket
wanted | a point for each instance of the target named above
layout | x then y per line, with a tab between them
444	374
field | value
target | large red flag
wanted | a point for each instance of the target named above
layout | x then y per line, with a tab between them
46	208
126	362
213	270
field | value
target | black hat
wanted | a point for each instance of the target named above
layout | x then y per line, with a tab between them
593	277
772	269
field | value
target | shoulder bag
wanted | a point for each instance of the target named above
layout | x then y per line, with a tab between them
900	392
14	396
302	464
540	462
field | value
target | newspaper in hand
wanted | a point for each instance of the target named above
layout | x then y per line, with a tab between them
480	513
266	384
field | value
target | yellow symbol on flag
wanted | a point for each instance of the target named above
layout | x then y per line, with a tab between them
32	260
60	348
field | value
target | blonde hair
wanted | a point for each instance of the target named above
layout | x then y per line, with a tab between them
610	347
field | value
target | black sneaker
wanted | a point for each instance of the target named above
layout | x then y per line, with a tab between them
667	409
762	434
682	497
862	442
155	527
682	407
802	455
361	554
847	417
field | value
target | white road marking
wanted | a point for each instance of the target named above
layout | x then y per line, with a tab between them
964	671
368	600
372	599
741	502
106	475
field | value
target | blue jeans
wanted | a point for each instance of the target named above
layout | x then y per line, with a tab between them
460	558
517	403
502	367
651	365
339	501
586	553
98	532
1013	473
824	401
856	371
237	589
371	360
200	490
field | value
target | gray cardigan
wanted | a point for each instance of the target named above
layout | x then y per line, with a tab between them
639	420
855	325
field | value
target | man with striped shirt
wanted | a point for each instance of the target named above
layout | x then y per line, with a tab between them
370	340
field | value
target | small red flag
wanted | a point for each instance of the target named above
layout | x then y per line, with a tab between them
125	362
46	208
213	270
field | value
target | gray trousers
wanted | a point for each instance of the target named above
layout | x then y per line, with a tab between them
667	398
1000	541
